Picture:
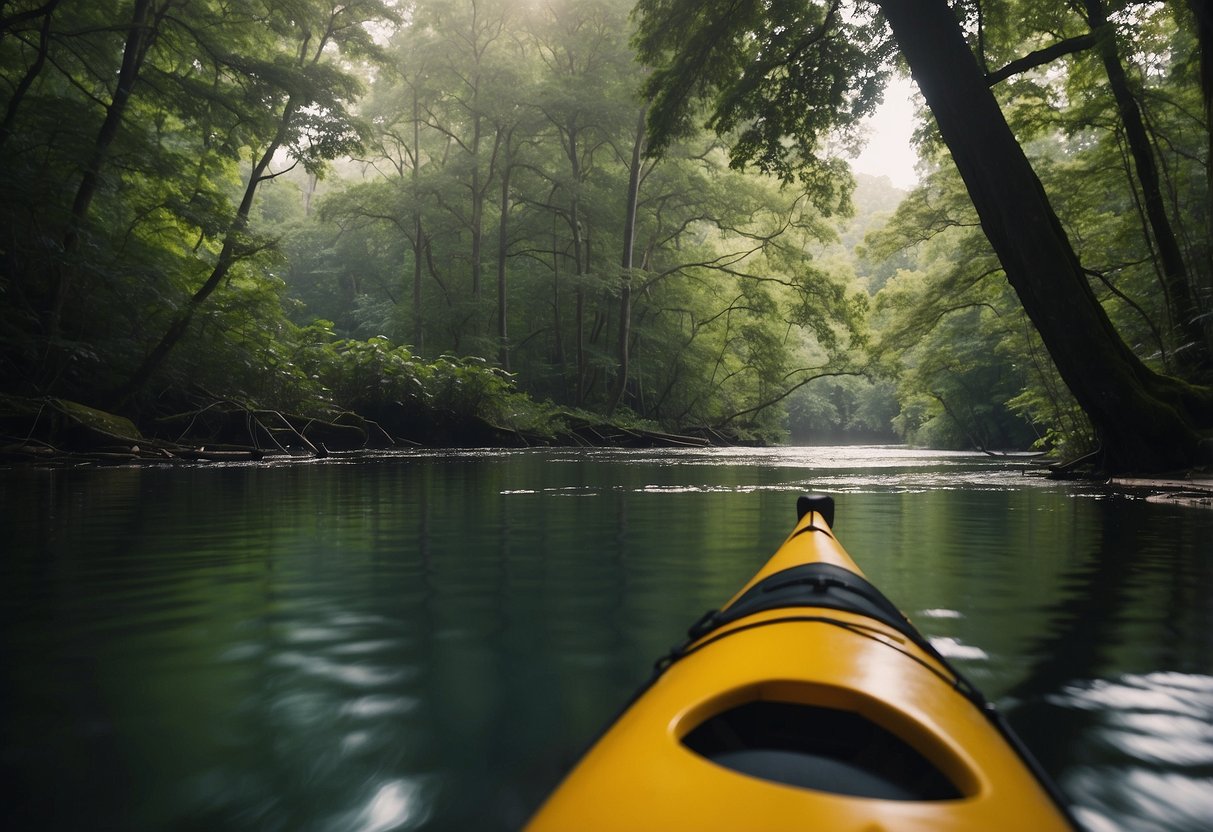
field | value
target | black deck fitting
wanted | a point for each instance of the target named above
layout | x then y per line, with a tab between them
823	504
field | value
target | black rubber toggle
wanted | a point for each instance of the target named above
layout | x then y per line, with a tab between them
705	625
823	504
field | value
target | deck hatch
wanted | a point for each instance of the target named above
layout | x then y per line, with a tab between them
819	748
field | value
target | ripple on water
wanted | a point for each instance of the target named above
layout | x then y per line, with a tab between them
1155	739
354	674
954	648
940	613
378	706
395	803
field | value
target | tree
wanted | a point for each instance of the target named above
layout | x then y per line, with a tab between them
136	135
1104	85
307	118
1145	421
683	282
635	175
141	33
956	341
1181	299
753	68
577	43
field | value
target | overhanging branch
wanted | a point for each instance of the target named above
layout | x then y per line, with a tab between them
1042	56
788	392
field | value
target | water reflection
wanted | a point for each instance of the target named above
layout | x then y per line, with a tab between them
426	641
396	804
1149	751
953	648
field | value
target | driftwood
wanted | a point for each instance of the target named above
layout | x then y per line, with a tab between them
1081	468
52	430
231	423
603	434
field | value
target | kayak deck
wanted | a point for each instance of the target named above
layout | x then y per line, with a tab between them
807	701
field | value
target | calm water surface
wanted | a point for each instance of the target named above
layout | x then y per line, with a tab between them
428	641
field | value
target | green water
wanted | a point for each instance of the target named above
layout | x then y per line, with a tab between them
428	641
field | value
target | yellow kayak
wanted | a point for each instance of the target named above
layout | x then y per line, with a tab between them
807	702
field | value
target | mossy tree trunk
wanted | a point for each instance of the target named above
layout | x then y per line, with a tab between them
1144	421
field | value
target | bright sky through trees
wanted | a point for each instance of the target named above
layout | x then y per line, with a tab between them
888	152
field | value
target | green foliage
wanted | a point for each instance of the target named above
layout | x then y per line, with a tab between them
723	300
412	396
131	132
951	334
843	409
437	175
1083	86
778	77
211	237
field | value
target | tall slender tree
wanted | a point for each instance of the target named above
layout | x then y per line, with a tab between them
768	66
636	167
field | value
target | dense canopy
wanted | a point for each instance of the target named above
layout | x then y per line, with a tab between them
505	210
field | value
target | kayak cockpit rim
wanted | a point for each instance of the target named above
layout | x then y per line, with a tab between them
826	738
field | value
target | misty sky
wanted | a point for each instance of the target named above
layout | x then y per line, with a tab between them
888	152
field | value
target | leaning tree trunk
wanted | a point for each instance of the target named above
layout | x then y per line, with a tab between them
1182	306
31	73
1144	422
228	256
138	39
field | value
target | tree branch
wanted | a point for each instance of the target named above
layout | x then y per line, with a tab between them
1042	56
788	392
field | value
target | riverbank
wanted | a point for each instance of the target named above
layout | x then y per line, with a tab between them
1194	490
53	431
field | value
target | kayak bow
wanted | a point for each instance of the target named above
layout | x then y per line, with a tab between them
808	701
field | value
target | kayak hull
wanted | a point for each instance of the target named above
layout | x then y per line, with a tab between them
803	716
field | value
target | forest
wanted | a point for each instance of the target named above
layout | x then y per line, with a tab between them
526	221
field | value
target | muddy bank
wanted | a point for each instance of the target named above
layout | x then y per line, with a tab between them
1195	489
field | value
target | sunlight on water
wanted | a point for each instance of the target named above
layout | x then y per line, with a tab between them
355	675
939	613
396	804
849	456
1153	737
847	469
954	648
379	705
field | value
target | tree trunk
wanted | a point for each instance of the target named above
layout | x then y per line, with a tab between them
138	38
558	354
503	244
1202	11
579	340
477	207
14	101
629	243
227	258
418	237
1181	301
1144	422
579	265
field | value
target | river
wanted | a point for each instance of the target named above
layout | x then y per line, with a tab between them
428	640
